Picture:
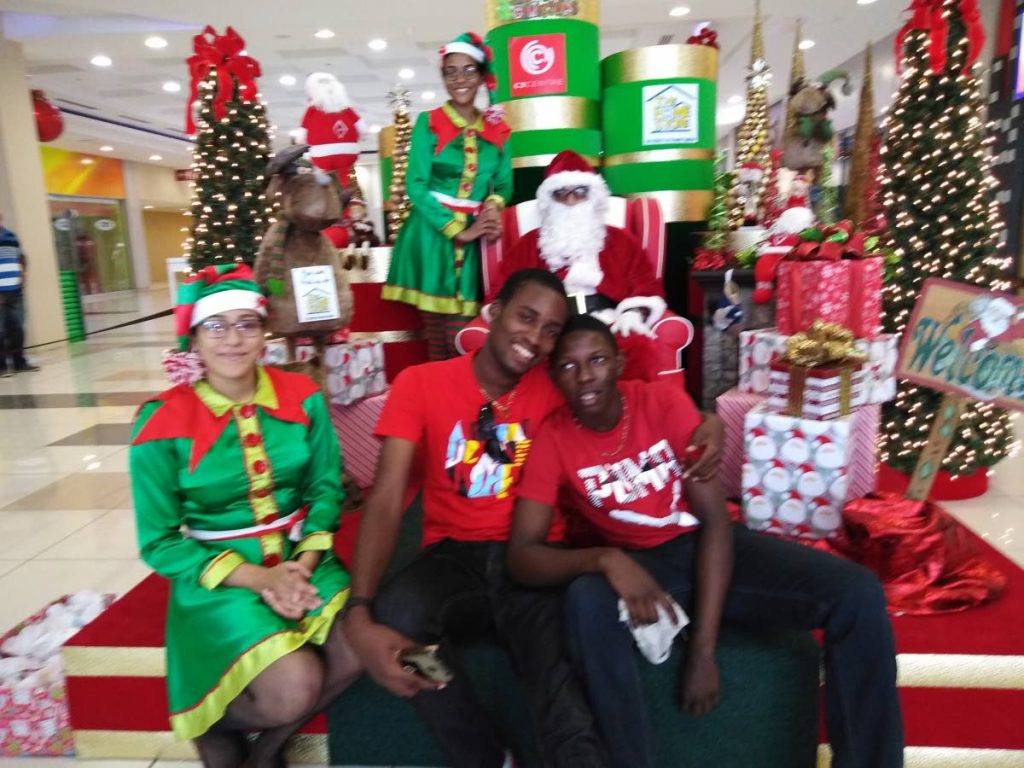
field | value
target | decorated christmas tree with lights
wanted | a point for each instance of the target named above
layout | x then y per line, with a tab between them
230	212
939	206
398	198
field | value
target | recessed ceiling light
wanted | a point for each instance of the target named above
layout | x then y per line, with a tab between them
156	158
735	99
286	80
100	60
171	86
377	44
156	42
147	207
406	74
428	95
806	45
106	148
374	128
865	2
87	161
679	10
324	34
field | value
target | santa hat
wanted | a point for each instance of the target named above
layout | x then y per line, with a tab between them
472	45
213	290
569	169
751	170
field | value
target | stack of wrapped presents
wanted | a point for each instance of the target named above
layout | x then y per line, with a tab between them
802	425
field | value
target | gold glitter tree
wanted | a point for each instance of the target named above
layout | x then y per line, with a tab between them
857	193
398	197
797	71
753	145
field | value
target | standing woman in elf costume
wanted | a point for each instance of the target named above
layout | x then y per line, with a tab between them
458	179
235	479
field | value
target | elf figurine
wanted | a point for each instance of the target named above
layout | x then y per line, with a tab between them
331	126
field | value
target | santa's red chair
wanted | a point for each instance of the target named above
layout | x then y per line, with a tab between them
641	218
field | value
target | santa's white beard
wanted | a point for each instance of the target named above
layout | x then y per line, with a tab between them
570	234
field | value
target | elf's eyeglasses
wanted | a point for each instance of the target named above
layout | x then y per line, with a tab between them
489	434
571	193
216	328
451	74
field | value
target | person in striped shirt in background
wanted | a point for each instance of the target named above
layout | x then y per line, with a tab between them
12	304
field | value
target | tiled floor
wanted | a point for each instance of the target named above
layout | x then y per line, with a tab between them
65	506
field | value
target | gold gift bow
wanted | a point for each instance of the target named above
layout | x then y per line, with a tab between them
822	344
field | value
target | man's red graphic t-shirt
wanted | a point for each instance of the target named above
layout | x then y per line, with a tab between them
469	470
632	498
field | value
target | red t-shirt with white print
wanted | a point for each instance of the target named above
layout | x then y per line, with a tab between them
632	497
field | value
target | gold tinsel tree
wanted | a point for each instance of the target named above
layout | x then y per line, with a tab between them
398	197
754	143
857	207
353	186
798	70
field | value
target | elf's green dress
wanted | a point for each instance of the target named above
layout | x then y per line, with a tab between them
201	461
452	167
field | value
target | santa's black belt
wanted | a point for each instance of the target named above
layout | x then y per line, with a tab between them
585	303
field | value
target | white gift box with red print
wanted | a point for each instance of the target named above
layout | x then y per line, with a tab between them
762	347
828	391
799	472
758	350
275	352
355	371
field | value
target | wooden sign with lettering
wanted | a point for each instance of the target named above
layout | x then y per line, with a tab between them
966	341
969	343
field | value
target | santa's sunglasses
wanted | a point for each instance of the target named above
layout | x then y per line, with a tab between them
489	434
571	193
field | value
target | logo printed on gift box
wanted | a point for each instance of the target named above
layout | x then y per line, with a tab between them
537	65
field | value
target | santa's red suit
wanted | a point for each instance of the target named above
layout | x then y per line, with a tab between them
333	139
626	273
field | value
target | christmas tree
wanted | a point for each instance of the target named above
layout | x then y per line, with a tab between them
229	210
398	198
859	188
753	144
828	198
937	196
718	213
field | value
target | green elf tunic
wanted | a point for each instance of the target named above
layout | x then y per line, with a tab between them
218	467
453	168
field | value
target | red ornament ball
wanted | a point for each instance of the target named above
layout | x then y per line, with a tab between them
49	122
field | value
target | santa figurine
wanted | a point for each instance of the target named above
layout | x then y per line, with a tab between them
783	237
360	228
604	268
330	126
749	176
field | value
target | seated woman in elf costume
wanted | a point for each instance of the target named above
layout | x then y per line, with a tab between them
458	179
235	479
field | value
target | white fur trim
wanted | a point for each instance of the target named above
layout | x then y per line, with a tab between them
334	102
225	301
572	179
340	148
467	48
584	276
655	306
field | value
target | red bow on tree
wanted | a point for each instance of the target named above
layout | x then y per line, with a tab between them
929	16
706	36
224	54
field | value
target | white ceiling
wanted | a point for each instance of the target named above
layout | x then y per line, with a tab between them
59	37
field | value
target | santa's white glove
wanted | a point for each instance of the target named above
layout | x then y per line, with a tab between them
631	322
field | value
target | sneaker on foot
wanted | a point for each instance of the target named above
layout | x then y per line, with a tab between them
25	368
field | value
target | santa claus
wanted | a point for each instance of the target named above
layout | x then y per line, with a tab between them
604	269
331	126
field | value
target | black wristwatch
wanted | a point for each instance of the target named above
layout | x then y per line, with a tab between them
358	600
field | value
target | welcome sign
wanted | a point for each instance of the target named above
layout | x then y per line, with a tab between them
966	341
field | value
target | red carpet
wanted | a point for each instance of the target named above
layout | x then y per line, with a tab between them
961	679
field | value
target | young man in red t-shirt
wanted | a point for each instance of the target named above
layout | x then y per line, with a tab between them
473	419
614	458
